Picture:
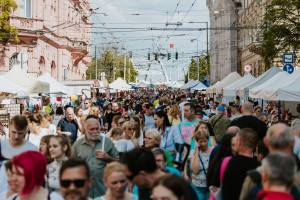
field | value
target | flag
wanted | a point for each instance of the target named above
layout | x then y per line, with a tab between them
171	46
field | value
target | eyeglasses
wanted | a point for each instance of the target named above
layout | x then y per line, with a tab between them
77	182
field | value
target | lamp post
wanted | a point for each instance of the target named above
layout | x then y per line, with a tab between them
198	73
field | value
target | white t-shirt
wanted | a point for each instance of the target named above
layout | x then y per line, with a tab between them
36	138
8	152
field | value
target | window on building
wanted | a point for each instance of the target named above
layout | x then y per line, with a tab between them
26	8
13	61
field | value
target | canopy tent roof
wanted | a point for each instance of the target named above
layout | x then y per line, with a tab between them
199	86
290	92
7	86
55	86
19	77
212	89
119	84
268	90
231	90
258	81
230	78
190	84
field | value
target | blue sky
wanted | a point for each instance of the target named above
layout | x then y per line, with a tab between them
151	13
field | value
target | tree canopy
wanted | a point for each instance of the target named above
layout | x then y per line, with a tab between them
280	29
7	32
203	68
112	64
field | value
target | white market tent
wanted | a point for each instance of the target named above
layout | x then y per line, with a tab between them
229	79
268	90
119	84
176	84
231	90
19	77
7	86
199	86
290	92
258	81
212	89
55	86
189	85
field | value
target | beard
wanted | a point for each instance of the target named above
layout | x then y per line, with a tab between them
74	195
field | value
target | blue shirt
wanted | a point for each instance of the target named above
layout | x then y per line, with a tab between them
172	170
69	126
169	138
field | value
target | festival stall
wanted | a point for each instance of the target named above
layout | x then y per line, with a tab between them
189	85
119	85
231	90
267	75
199	86
268	90
229	79
33	86
290	92
55	86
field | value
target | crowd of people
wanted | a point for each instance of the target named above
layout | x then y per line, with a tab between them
152	144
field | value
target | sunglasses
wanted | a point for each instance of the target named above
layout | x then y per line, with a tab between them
77	182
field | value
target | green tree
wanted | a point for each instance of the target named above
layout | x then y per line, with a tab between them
112	64
202	70
280	29
7	32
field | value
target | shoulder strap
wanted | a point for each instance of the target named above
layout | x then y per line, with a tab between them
224	166
254	176
202	163
49	195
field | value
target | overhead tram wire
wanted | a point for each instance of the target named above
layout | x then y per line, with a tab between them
177	5
188	11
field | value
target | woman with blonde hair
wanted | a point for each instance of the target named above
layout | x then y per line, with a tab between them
173	114
115	180
129	135
152	138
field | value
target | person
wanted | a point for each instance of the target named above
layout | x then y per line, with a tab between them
278	172
173	114
173	188
16	144
116	136
129	131
237	167
278	139
87	106
69	124
141	169
11	192
59	149
44	143
187	126
161	162
95	110
36	132
74	178
199	164
219	123
110	114
97	150
152	139
28	176
170	135
116	183
247	120
296	133
148	117
235	113
138	129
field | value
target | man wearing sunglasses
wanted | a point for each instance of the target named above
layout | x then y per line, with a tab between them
75	180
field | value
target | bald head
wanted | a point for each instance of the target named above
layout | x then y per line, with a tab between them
233	130
247	108
70	114
279	138
92	129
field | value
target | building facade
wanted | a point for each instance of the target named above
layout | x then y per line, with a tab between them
54	38
250	18
223	38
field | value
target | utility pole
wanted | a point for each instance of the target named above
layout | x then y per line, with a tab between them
96	66
125	67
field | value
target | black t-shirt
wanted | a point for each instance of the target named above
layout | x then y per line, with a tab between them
249	121
235	174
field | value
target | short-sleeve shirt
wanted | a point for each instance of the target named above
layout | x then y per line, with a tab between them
69	126
85	151
169	138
